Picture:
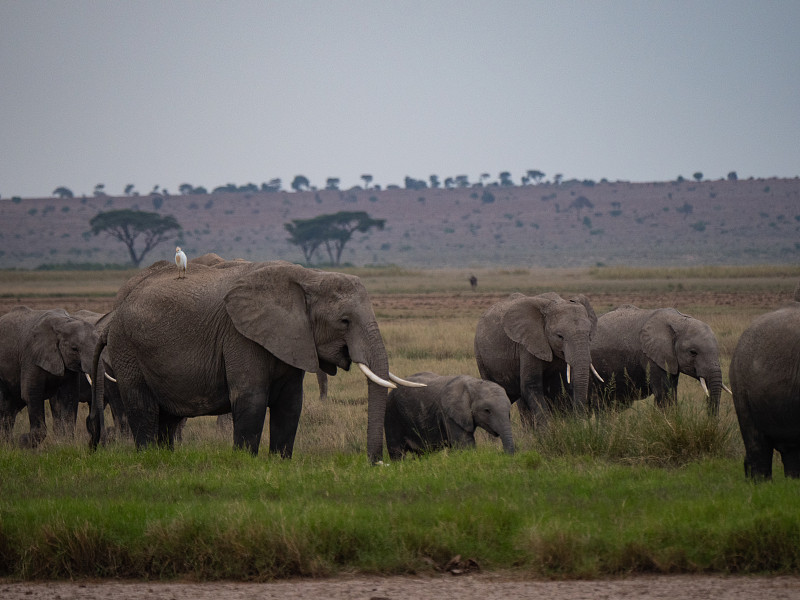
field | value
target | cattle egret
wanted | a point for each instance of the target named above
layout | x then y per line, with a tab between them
180	260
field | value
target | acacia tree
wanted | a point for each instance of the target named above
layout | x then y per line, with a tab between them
63	192
300	182
535	175
307	234
333	231
128	225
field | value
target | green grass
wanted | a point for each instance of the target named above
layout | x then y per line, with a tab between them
210	513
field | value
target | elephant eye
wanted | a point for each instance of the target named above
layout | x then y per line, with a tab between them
346	322
693	352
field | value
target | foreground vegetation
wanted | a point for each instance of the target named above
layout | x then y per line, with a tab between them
210	513
630	492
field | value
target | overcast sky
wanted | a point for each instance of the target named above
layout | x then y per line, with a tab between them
166	92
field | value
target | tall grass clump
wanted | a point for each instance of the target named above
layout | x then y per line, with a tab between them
642	435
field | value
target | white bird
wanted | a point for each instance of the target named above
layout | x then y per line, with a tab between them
180	260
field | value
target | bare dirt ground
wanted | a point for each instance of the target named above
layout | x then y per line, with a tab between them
470	587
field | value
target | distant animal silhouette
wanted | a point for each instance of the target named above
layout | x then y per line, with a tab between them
473	281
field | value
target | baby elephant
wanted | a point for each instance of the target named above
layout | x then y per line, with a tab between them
445	414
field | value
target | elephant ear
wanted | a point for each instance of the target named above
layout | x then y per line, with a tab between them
524	321
44	344
581	299
658	339
268	306
457	404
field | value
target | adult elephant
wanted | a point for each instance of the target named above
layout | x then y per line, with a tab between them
765	379
536	347
44	354
639	352
445	413
238	337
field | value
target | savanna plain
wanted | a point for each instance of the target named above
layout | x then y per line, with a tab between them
636	503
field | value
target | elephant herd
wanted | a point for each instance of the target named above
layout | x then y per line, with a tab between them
238	337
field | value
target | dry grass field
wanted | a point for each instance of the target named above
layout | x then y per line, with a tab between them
428	319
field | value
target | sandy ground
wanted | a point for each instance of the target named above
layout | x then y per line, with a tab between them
468	587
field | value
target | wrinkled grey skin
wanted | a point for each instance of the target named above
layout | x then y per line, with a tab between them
639	352
237	336
523	343
445	414
43	355
765	380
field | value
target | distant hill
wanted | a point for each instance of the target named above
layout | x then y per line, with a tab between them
573	224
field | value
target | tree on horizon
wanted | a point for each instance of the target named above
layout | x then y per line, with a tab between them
333	231
128	225
63	192
300	182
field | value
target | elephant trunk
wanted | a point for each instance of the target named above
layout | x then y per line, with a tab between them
377	394
508	441
579	360
94	422
712	386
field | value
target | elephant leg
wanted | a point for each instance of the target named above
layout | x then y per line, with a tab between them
142	409
532	404
113	399
9	409
169	427
758	455
249	412
38	427
33	394
534	410
665	388
64	409
284	415
791	462
396	450
758	464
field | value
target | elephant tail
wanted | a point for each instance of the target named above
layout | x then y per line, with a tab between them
94	422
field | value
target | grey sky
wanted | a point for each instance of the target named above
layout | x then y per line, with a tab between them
209	93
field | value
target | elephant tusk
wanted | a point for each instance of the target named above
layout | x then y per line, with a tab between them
569	373
705	387
727	389
89	379
374	378
596	374
110	378
405	382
